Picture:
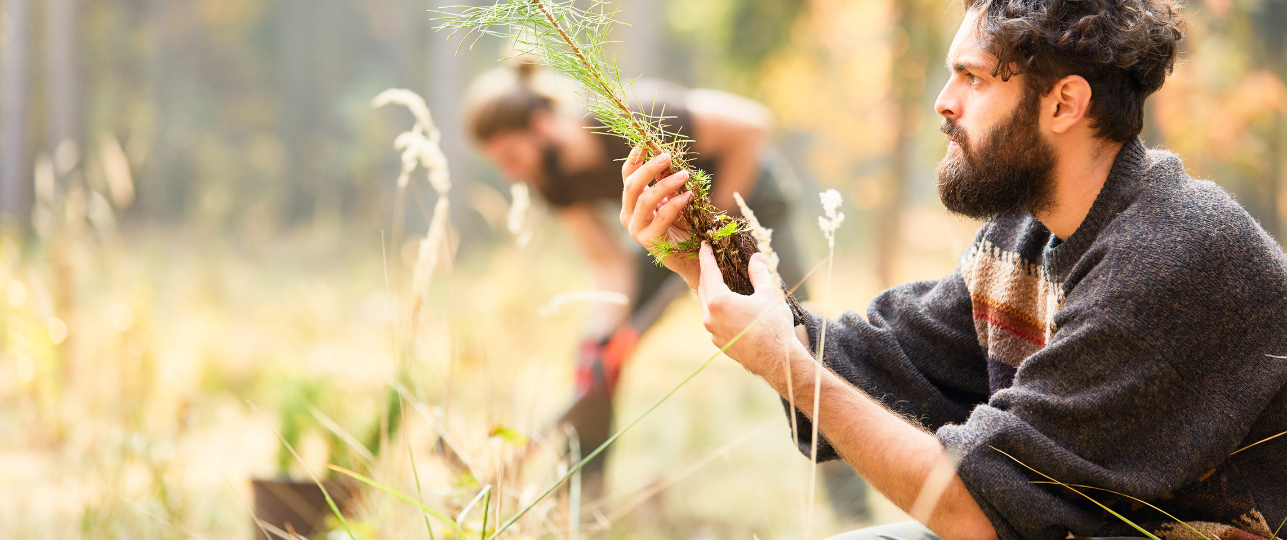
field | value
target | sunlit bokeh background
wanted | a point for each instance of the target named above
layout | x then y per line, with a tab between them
199	249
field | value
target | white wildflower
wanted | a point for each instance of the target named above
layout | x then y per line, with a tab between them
517	218
831	200
763	237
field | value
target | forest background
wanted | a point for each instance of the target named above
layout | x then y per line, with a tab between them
196	205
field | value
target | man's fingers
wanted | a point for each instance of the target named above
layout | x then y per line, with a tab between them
712	279
758	271
637	181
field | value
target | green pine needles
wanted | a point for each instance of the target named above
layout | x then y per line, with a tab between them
571	39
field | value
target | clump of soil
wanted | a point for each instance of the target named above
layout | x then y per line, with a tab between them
733	246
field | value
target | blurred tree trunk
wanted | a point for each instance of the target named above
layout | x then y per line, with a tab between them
1273	24
449	76
62	80
1277	170
300	95
641	40
916	33
889	214
171	56
1269	49
15	177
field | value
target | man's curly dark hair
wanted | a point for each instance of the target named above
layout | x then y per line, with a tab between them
1123	48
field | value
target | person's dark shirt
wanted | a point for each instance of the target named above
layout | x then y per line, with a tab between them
1144	355
603	182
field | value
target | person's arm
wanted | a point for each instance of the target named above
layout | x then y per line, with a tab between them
917	352
610	264
1146	388
734	130
650	213
896	457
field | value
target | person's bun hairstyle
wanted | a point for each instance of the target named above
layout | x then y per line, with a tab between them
505	99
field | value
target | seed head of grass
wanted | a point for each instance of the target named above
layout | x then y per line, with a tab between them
421	146
763	237
831	219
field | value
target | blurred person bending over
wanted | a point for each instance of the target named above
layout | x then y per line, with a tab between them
522	124
1116	324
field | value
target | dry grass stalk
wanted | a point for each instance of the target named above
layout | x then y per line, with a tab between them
421	146
589	295
763	237
828	223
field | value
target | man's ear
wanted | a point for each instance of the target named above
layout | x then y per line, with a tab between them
1071	97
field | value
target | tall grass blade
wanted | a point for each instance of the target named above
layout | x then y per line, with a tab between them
342	434
1136	499
271	530
932	489
329	501
639	418
830	204
1258	442
675	478
436	424
236	493
574	488
460	533
1088	497
415	472
817	398
487	505
460	518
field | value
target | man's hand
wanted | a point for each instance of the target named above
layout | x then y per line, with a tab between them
650	212
764	316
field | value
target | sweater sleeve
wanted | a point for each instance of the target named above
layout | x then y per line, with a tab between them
919	355
1156	373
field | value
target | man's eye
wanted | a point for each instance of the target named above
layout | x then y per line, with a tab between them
973	79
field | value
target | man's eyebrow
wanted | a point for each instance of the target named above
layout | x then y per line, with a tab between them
959	66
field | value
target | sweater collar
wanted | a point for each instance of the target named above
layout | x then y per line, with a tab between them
1114	196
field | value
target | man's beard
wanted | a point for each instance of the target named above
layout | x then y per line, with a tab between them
1012	169
551	171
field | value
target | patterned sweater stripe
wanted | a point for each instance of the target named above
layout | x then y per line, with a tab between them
994	314
1136	356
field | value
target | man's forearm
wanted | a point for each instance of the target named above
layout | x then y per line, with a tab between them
892	454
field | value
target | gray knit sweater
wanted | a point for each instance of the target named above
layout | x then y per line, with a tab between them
1135	356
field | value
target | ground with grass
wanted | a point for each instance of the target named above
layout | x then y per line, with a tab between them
144	375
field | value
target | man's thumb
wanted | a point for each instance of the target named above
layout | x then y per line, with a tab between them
758	271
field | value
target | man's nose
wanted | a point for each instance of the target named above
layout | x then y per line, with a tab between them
947	105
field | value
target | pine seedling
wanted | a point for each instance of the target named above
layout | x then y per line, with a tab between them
571	40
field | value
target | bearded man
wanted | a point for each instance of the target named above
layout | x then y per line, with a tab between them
1116	325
